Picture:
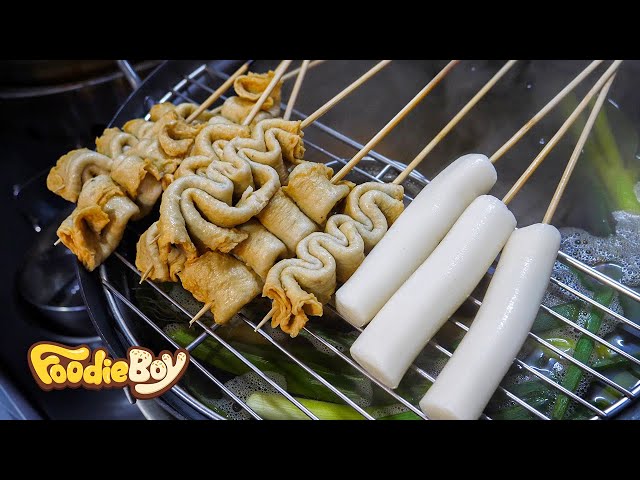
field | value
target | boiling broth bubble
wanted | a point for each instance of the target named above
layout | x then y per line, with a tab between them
388	410
243	386
622	248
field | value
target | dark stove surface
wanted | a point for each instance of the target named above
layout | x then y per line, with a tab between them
34	132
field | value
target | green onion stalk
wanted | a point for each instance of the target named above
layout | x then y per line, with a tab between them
269	358
582	353
273	406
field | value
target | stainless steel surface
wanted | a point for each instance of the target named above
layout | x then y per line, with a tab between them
58	77
130	74
48	281
327	145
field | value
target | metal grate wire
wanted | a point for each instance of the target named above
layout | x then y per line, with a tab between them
200	83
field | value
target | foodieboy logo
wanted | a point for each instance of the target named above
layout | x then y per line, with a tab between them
55	366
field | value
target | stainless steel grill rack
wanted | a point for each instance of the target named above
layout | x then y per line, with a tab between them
196	86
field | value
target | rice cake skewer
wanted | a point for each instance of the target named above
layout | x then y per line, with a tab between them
429	217
508	309
412	315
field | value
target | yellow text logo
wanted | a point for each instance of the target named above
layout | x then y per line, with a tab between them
55	366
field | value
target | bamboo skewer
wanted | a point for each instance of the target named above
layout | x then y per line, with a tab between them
296	90
394	121
146	274
267	91
293	73
546	109
266	318
560	133
57	242
453	122
219	91
335	100
207	306
577	151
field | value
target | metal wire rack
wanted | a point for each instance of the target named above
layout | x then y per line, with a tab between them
375	167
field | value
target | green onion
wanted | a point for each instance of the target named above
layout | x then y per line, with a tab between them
615	360
582	353
273	406
269	358
603	154
608	395
517	412
545	321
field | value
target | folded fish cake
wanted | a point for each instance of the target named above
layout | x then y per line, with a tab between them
311	188
222	280
261	249
285	220
184	110
298	287
217	131
249	88
95	227
74	169
114	142
272	142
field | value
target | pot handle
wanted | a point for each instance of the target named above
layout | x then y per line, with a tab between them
129	73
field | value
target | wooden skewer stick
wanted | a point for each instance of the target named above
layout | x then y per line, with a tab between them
145	275
560	133
453	122
293	73
340	96
577	151
296	90
57	242
267	91
546	109
154	239
394	121
266	318
219	91
202	311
